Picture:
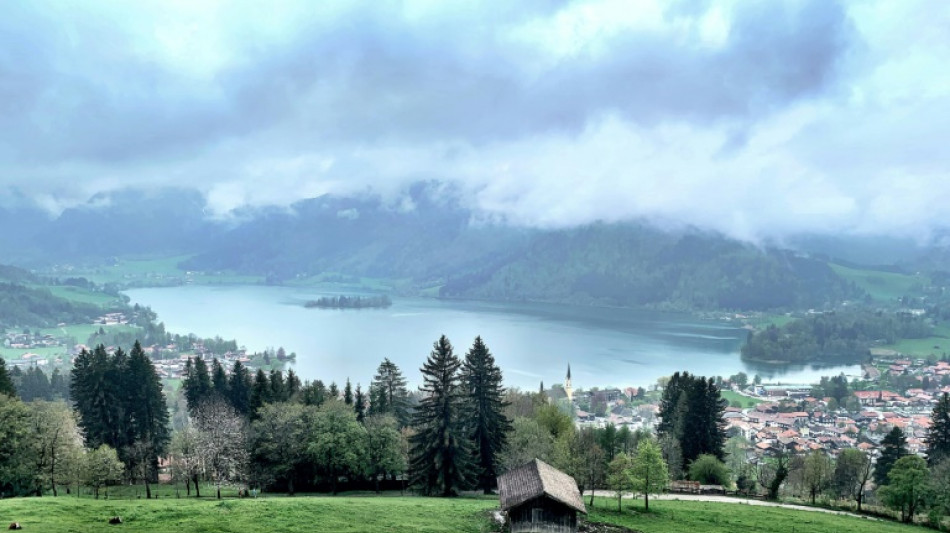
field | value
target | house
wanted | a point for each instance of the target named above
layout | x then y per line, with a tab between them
540	498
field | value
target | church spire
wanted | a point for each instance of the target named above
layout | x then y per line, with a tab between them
568	389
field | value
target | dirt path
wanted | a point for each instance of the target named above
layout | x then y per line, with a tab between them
727	499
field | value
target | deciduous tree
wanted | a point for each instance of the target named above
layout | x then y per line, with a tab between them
650	474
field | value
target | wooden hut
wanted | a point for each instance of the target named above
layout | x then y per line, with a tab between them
540	498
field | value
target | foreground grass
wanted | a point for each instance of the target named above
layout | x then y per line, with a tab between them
298	514
708	517
358	513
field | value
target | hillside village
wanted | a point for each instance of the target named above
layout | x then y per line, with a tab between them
791	418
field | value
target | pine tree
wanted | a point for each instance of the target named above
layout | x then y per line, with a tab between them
348	393
388	393
893	447
938	436
359	404
485	406
6	384
691	411
334	392
440	455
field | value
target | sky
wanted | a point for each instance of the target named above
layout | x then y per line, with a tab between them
757	119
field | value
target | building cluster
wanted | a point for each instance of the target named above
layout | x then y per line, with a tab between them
791	419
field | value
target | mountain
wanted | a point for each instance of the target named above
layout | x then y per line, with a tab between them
430	241
128	222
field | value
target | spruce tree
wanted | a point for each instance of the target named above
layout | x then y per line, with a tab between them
291	384
440	455
388	393
239	388
359	403
6	384
197	383
938	436
148	413
219	379
348	393
278	391
485	408
260	392
893	447
334	392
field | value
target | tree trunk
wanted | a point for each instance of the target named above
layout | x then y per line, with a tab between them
219	490
860	497
646	501
197	490
52	475
619	501
290	485
148	489
376	483
187	487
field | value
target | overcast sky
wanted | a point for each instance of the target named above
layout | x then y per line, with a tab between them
754	118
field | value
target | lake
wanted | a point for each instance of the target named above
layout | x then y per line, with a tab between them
531	342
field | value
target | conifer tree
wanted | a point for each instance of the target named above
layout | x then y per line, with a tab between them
197	383
440	460
359	403
239	388
147	412
6	384
938	436
485	408
219	379
278	392
334	392
260	392
893	447
348	393
388	393
291	384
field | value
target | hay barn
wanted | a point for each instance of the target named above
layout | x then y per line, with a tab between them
540	498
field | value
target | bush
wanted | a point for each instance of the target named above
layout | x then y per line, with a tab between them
708	470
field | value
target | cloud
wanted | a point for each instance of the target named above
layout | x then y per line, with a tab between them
755	118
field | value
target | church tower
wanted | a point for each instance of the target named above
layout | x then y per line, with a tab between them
567	385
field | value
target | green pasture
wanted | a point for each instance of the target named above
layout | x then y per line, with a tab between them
882	286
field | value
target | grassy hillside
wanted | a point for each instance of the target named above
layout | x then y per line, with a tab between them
400	514
678	516
882	286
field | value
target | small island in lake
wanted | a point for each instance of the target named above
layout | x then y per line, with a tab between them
350	302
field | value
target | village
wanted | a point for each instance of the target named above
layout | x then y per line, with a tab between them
894	391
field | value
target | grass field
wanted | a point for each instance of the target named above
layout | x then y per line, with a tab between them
882	286
298	514
937	344
358	513
745	401
679	516
81	295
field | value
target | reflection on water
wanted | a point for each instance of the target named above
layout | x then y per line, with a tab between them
531	342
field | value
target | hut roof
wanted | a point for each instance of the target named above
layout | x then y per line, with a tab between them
536	479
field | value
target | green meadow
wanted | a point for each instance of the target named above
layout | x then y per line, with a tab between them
366	513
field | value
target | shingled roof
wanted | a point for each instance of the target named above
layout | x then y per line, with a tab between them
536	479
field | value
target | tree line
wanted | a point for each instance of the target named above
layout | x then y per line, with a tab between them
844	336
